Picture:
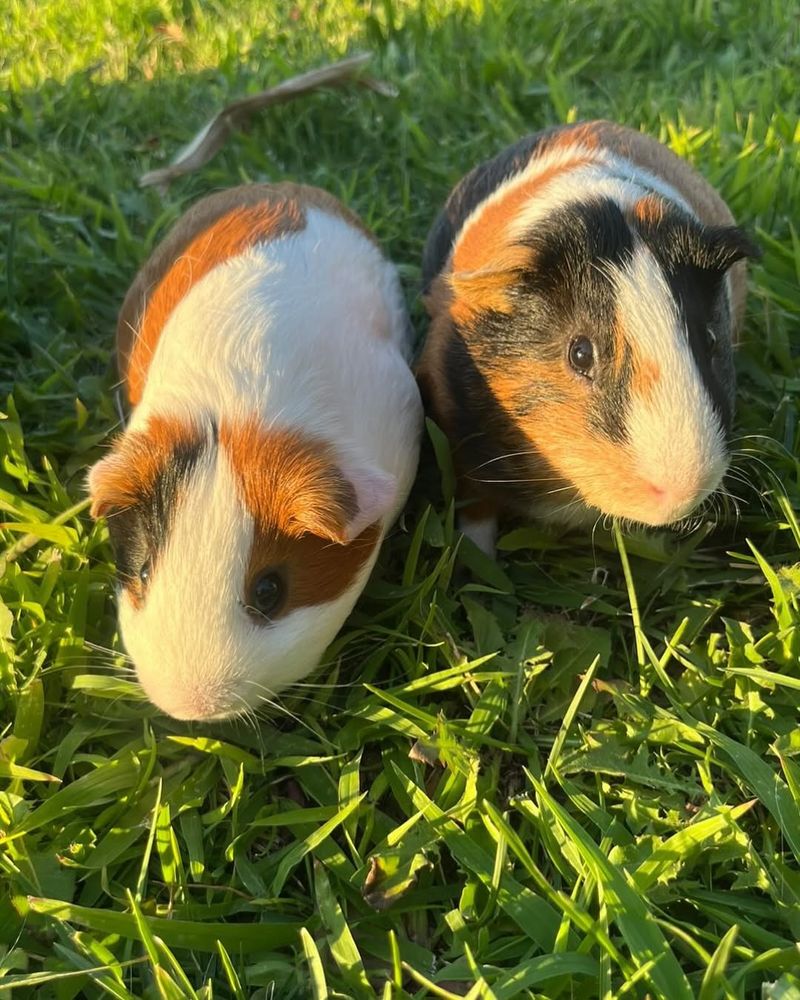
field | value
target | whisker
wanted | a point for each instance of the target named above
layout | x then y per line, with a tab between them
500	458
553	479
106	649
271	700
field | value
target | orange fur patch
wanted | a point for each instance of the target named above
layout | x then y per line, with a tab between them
484	291
227	237
289	481
600	469
646	374
620	343
649	210
301	503
645	371
484	263
510	383
596	466
126	476
586	134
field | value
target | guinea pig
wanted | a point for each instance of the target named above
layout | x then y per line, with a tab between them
273	438
585	288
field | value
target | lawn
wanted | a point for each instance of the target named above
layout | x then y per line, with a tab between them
571	773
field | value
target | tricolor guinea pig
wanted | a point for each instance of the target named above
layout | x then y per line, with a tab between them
273	438
585	289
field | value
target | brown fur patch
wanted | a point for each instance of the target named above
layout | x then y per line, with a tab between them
302	504
317	570
430	368
480	509
136	459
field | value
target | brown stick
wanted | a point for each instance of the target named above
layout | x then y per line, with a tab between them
213	136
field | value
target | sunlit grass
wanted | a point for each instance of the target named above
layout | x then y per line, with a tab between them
504	782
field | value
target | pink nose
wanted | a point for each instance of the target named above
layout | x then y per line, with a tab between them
673	501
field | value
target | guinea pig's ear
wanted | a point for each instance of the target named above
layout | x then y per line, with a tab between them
103	483
716	248
471	291
115	482
350	498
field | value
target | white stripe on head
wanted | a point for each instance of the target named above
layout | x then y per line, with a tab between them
608	178
675	434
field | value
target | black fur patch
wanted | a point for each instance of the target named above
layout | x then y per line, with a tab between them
139	532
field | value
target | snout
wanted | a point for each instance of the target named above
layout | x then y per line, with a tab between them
668	502
670	495
195	702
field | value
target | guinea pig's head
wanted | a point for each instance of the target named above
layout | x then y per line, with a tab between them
603	340
240	551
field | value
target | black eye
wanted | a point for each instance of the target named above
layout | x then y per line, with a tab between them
711	339
266	594
144	574
581	355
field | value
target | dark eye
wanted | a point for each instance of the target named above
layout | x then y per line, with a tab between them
144	574
581	355
266	594
711	339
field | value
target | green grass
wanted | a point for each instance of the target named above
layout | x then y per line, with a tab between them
574	773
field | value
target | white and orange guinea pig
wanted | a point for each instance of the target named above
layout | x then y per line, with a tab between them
585	289
273	438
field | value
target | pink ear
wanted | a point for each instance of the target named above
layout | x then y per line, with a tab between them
376	491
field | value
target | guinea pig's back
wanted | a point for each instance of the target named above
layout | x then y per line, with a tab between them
351	381
275	301
214	230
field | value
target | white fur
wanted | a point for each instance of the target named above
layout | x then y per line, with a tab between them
675	435
306	332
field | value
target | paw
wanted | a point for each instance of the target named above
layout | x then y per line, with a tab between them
482	533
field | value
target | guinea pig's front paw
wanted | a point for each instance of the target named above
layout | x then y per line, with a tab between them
482	532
